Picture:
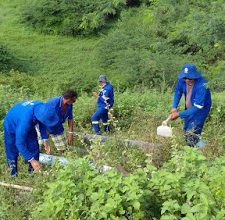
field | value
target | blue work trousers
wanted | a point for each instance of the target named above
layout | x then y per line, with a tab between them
193	128
100	114
12	152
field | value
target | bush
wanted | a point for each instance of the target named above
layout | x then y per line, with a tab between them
71	17
8	61
188	186
135	56
153	42
80	192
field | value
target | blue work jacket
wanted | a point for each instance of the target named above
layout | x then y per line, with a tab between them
200	99
21	121
68	115
106	92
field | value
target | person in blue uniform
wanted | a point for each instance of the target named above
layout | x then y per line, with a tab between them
64	108
20	134
193	86
104	103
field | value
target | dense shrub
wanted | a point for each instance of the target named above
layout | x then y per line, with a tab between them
81	193
8	60
188	186
5	58
71	17
153	42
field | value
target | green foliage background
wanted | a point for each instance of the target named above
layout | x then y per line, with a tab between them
71	17
50	46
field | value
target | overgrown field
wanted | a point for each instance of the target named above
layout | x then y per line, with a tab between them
48	46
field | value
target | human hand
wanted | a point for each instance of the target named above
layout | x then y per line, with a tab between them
173	110
174	115
36	165
95	94
47	148
70	138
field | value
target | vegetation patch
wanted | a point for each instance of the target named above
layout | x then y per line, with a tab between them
71	17
150	42
8	60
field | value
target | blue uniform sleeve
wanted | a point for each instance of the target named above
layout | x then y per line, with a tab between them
198	102
43	131
109	94
102	96
178	91
21	141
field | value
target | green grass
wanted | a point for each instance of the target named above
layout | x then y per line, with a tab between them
57	62
55	56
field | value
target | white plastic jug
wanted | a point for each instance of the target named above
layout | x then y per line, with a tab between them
164	130
49	159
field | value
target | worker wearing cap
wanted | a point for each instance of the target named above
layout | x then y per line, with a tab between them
104	103
20	135
197	102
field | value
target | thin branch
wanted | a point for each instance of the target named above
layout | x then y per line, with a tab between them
9	185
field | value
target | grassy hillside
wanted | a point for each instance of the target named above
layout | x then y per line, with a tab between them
141	54
62	59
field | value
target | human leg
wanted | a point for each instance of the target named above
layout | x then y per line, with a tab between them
95	119
193	129
105	121
33	146
11	151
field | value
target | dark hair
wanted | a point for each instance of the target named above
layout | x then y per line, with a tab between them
70	94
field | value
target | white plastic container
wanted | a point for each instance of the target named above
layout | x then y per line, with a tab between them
164	130
50	159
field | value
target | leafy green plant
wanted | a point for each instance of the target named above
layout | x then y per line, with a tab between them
80	192
151	43
71	17
116	152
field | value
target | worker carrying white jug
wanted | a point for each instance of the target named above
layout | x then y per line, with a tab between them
193	86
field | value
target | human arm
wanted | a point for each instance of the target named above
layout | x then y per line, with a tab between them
35	164
107	96
44	137
70	131
178	91
22	132
70	125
